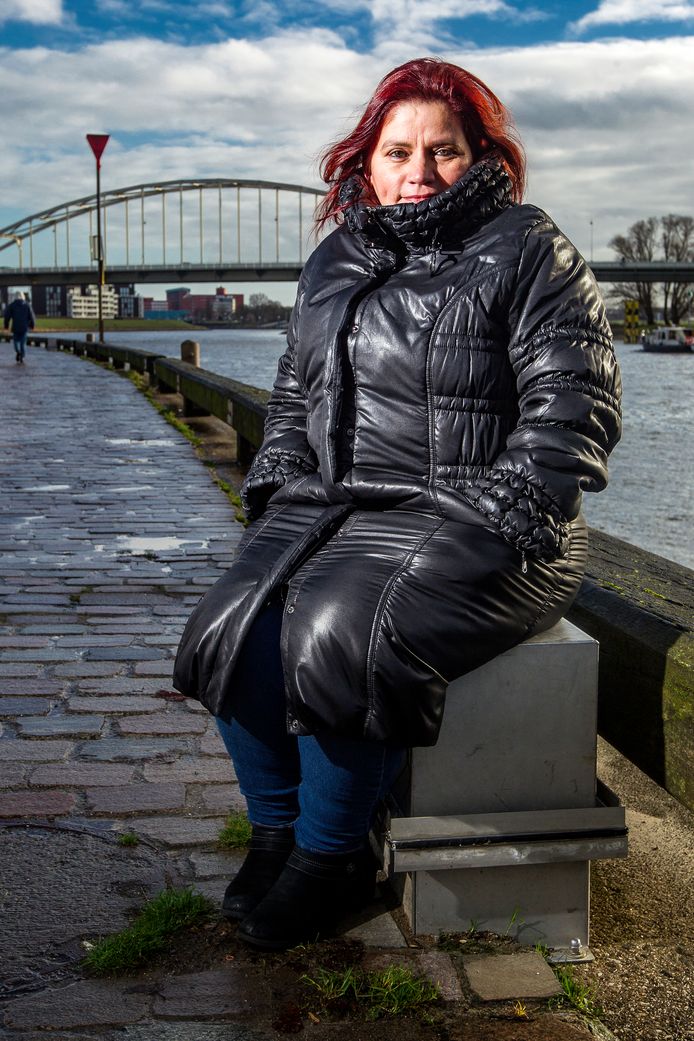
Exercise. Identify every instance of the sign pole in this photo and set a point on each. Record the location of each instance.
(97, 143)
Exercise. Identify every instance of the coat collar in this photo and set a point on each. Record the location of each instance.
(479, 195)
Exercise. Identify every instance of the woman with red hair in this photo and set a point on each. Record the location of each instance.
(448, 392)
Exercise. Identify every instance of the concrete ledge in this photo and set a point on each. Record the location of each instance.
(241, 406)
(639, 607)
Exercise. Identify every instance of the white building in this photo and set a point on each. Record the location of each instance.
(83, 302)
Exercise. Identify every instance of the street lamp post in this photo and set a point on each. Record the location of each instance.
(97, 143)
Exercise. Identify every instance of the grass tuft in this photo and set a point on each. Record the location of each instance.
(236, 833)
(128, 838)
(576, 993)
(385, 992)
(167, 913)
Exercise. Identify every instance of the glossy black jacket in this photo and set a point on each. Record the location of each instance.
(448, 393)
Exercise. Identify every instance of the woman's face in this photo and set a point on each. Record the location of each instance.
(420, 151)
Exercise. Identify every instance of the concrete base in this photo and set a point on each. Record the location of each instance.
(519, 735)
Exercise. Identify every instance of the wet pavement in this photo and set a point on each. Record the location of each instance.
(110, 531)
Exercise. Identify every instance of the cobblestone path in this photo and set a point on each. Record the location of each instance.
(110, 530)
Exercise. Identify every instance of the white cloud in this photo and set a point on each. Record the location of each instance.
(604, 123)
(40, 12)
(623, 12)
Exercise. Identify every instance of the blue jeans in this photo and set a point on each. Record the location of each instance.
(328, 787)
(20, 343)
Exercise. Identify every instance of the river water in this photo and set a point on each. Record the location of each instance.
(650, 498)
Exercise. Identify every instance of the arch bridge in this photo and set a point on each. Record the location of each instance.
(199, 230)
(202, 230)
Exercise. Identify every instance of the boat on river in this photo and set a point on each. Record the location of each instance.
(670, 338)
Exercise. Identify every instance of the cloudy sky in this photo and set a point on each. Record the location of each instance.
(602, 92)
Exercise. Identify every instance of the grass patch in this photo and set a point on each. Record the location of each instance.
(167, 913)
(236, 833)
(384, 992)
(232, 496)
(576, 994)
(128, 838)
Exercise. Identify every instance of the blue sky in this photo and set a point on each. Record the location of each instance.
(75, 23)
(602, 92)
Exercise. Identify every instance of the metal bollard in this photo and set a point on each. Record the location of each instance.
(190, 352)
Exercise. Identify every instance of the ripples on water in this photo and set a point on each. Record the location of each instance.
(650, 498)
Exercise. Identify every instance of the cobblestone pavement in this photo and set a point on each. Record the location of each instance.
(110, 531)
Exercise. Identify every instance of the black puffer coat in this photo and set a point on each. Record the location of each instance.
(448, 392)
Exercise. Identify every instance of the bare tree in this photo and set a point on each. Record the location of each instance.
(678, 245)
(639, 243)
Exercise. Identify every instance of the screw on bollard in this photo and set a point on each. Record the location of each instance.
(190, 352)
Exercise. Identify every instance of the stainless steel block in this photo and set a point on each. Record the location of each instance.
(519, 736)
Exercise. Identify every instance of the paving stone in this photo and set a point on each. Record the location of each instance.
(11, 706)
(217, 865)
(132, 653)
(24, 641)
(136, 798)
(179, 831)
(30, 687)
(190, 771)
(162, 723)
(180, 1031)
(87, 1003)
(66, 726)
(98, 639)
(86, 668)
(211, 743)
(81, 775)
(42, 654)
(224, 798)
(501, 977)
(155, 668)
(36, 804)
(24, 750)
(118, 685)
(110, 749)
(122, 703)
(20, 669)
(214, 994)
(12, 774)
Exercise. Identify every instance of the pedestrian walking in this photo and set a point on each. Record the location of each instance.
(448, 393)
(19, 314)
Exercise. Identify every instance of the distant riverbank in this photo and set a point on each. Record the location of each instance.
(143, 325)
(112, 325)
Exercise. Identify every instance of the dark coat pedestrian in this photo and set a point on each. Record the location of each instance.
(19, 314)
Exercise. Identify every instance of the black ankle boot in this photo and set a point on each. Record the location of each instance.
(310, 896)
(266, 857)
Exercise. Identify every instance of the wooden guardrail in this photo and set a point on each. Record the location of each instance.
(640, 607)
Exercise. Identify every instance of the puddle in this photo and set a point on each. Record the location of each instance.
(49, 488)
(139, 544)
(131, 488)
(141, 442)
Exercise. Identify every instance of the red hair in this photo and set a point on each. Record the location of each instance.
(486, 123)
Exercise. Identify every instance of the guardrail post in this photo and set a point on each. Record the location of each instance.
(190, 352)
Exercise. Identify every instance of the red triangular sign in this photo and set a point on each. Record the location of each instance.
(97, 143)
